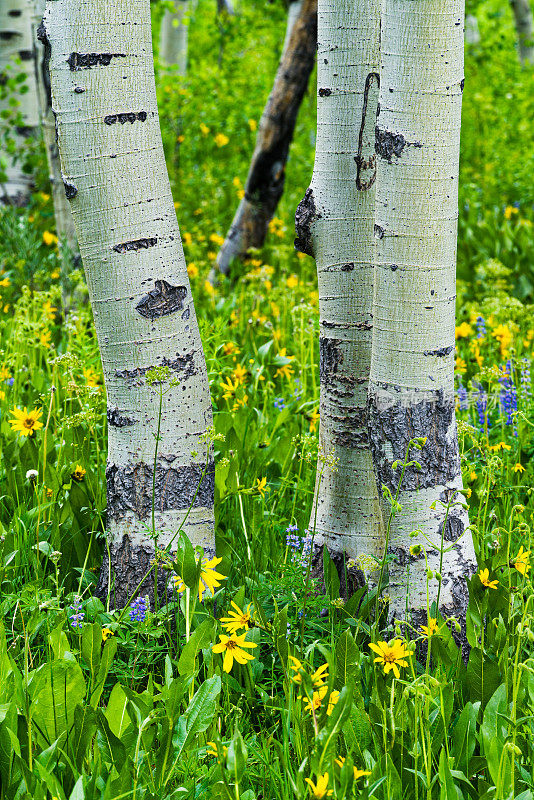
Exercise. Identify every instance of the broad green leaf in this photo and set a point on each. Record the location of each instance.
(116, 711)
(200, 638)
(199, 714)
(106, 660)
(56, 689)
(91, 647)
(347, 658)
(464, 736)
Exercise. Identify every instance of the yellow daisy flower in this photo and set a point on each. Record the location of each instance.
(209, 578)
(391, 656)
(26, 422)
(431, 628)
(320, 789)
(358, 773)
(522, 561)
(237, 619)
(485, 581)
(79, 473)
(232, 646)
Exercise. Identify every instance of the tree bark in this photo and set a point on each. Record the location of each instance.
(225, 6)
(524, 26)
(104, 101)
(62, 213)
(335, 224)
(174, 36)
(412, 378)
(16, 42)
(265, 181)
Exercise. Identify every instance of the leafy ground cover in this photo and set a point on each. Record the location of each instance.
(253, 680)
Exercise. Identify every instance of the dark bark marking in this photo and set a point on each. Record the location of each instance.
(183, 365)
(129, 488)
(129, 116)
(45, 72)
(388, 144)
(330, 358)
(79, 89)
(164, 299)
(305, 215)
(135, 244)
(347, 267)
(325, 92)
(443, 351)
(70, 190)
(379, 232)
(394, 267)
(392, 427)
(118, 419)
(14, 13)
(77, 61)
(26, 55)
(366, 167)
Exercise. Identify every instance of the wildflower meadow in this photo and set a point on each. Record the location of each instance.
(251, 672)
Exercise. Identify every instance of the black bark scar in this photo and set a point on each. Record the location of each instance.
(164, 299)
(135, 244)
(77, 61)
(388, 144)
(364, 164)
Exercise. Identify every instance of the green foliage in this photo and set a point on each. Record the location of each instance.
(99, 703)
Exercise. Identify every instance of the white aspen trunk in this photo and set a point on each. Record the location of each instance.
(335, 224)
(412, 379)
(225, 5)
(292, 14)
(16, 42)
(524, 26)
(173, 37)
(62, 213)
(266, 176)
(471, 33)
(104, 100)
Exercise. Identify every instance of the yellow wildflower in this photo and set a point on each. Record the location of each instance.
(49, 238)
(463, 330)
(261, 486)
(5, 282)
(209, 578)
(192, 270)
(292, 281)
(237, 182)
(230, 348)
(229, 388)
(208, 288)
(54, 275)
(522, 561)
(320, 789)
(314, 419)
(106, 633)
(358, 773)
(253, 125)
(240, 373)
(221, 139)
(500, 446)
(49, 310)
(519, 468)
(44, 338)
(485, 581)
(317, 699)
(187, 238)
(503, 334)
(509, 210)
(26, 422)
(232, 646)
(285, 371)
(431, 628)
(460, 365)
(241, 193)
(237, 619)
(472, 476)
(4, 373)
(79, 473)
(391, 656)
(216, 239)
(212, 751)
(204, 129)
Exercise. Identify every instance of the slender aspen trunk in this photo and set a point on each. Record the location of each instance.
(293, 10)
(412, 378)
(335, 224)
(173, 37)
(16, 43)
(104, 100)
(524, 25)
(265, 181)
(62, 213)
(225, 5)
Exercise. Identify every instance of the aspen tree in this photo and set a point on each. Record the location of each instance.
(335, 224)
(17, 57)
(524, 25)
(114, 174)
(412, 367)
(265, 181)
(174, 37)
(62, 213)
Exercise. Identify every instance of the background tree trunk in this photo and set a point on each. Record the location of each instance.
(412, 369)
(62, 213)
(104, 99)
(16, 42)
(173, 37)
(335, 224)
(265, 181)
(524, 26)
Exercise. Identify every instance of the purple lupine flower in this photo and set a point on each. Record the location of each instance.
(138, 609)
(508, 395)
(481, 327)
(525, 382)
(482, 407)
(297, 394)
(292, 537)
(279, 403)
(462, 397)
(76, 619)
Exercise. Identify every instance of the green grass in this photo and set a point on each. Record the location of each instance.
(132, 716)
